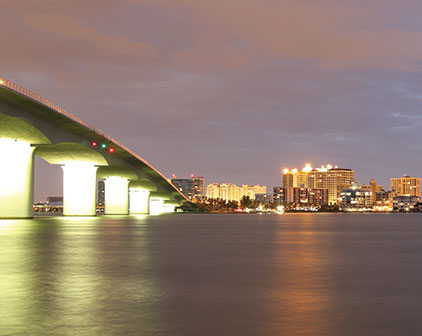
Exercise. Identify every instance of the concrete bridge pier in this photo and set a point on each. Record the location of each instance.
(16, 179)
(116, 196)
(139, 201)
(79, 187)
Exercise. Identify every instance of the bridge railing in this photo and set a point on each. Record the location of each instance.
(46, 102)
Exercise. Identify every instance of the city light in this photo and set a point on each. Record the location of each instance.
(307, 168)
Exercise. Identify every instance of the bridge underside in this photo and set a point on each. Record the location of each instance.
(29, 128)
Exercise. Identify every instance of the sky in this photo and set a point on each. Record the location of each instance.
(232, 90)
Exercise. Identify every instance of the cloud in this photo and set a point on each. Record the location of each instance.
(230, 89)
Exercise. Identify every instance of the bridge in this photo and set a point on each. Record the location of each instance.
(31, 126)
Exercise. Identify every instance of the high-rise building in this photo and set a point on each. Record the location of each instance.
(278, 195)
(192, 188)
(251, 190)
(406, 186)
(213, 191)
(332, 178)
(327, 177)
(232, 192)
(300, 196)
(295, 178)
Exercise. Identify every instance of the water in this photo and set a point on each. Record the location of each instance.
(295, 274)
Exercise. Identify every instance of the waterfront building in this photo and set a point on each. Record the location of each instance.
(252, 190)
(356, 198)
(405, 203)
(295, 178)
(225, 191)
(374, 188)
(229, 192)
(316, 197)
(232, 192)
(332, 178)
(278, 195)
(213, 191)
(264, 197)
(192, 188)
(55, 200)
(406, 186)
(384, 200)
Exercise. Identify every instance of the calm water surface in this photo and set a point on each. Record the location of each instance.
(295, 274)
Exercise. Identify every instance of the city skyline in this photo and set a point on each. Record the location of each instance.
(238, 90)
(42, 193)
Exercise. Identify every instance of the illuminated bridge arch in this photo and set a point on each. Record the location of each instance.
(31, 125)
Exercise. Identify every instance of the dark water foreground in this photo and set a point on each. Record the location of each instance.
(294, 274)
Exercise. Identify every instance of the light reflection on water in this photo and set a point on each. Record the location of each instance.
(295, 274)
(301, 287)
(76, 276)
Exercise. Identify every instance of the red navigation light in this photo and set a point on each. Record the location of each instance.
(94, 144)
(111, 150)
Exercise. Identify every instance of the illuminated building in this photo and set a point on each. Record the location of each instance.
(251, 190)
(327, 177)
(332, 178)
(192, 188)
(296, 178)
(213, 191)
(405, 203)
(384, 199)
(55, 200)
(374, 188)
(264, 197)
(100, 192)
(356, 197)
(231, 192)
(278, 195)
(406, 186)
(300, 196)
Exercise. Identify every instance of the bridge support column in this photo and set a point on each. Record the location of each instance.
(156, 206)
(16, 179)
(116, 196)
(79, 186)
(139, 201)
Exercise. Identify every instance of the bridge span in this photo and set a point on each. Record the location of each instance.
(31, 125)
